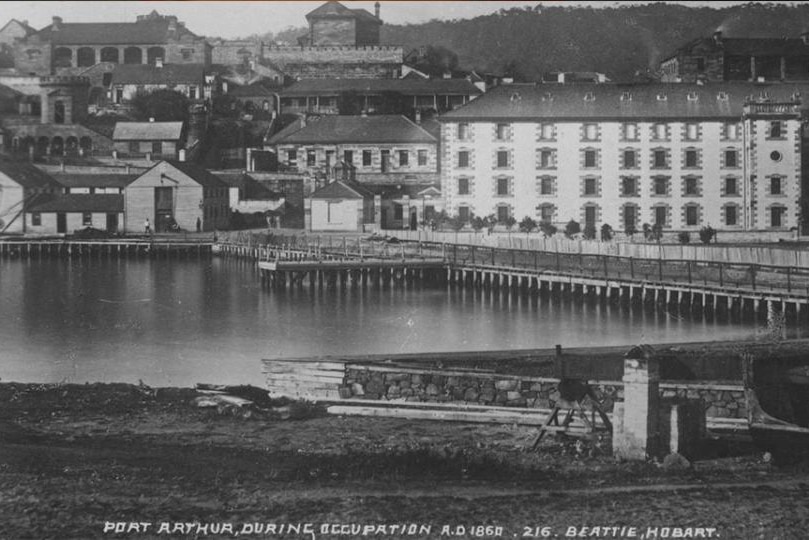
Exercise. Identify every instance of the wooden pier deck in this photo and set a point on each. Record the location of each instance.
(346, 272)
(112, 248)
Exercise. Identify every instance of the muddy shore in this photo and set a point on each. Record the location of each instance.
(75, 459)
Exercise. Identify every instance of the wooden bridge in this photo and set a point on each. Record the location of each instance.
(695, 287)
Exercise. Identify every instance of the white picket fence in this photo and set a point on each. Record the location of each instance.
(766, 255)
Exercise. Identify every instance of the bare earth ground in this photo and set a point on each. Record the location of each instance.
(75, 457)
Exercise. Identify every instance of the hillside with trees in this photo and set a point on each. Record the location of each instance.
(618, 41)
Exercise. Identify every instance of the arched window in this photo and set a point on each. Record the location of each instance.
(86, 57)
(57, 146)
(86, 144)
(153, 53)
(133, 55)
(28, 142)
(43, 143)
(71, 146)
(62, 57)
(110, 54)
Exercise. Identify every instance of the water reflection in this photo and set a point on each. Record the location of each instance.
(181, 322)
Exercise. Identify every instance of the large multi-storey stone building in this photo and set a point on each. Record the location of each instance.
(682, 156)
(63, 47)
(718, 58)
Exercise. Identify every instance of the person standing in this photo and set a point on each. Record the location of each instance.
(147, 227)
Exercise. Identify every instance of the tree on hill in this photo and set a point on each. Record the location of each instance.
(618, 41)
(437, 60)
(162, 105)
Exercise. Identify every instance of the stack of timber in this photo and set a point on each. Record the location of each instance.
(304, 378)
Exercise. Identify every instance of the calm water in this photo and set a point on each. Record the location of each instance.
(177, 323)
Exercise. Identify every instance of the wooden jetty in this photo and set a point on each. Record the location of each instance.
(348, 272)
(124, 248)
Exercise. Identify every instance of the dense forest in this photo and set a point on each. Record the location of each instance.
(619, 40)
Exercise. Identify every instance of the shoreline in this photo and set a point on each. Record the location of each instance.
(74, 457)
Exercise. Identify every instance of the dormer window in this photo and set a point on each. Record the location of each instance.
(626, 96)
(547, 96)
(662, 97)
(692, 96)
(589, 96)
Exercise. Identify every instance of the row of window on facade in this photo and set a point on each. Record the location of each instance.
(86, 219)
(590, 158)
(56, 146)
(192, 92)
(367, 158)
(90, 56)
(691, 215)
(691, 131)
(629, 186)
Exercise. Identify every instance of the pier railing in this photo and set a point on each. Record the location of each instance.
(726, 275)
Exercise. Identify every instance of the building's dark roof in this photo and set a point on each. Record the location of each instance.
(399, 191)
(336, 10)
(411, 87)
(147, 74)
(145, 32)
(531, 102)
(287, 130)
(26, 174)
(342, 190)
(252, 189)
(147, 131)
(82, 202)
(256, 89)
(337, 129)
(8, 93)
(199, 174)
(94, 180)
(747, 46)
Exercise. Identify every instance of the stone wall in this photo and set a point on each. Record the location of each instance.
(235, 52)
(336, 61)
(381, 383)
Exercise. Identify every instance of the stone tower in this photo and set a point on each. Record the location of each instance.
(64, 99)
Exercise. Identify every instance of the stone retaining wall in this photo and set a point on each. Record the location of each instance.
(412, 385)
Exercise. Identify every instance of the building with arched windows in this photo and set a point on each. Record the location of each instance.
(681, 156)
(61, 128)
(64, 47)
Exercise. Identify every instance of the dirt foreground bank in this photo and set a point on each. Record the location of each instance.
(123, 461)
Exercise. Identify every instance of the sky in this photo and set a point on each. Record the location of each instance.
(234, 18)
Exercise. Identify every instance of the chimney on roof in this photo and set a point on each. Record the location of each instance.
(376, 10)
(717, 37)
(57, 24)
